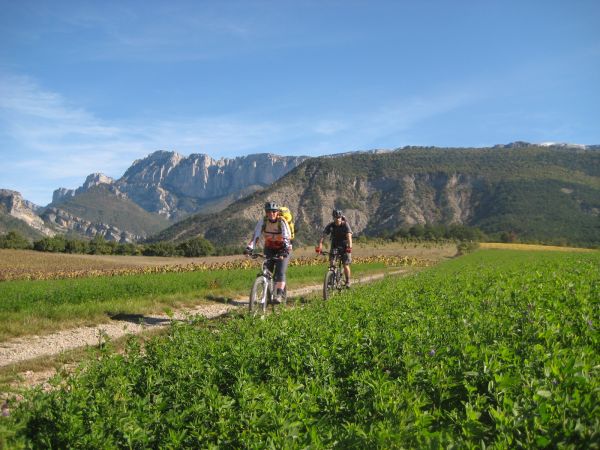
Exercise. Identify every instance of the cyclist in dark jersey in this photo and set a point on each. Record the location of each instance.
(341, 241)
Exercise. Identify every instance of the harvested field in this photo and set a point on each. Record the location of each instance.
(32, 265)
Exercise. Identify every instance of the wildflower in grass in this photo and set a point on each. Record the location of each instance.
(432, 352)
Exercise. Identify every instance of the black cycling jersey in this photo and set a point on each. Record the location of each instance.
(339, 233)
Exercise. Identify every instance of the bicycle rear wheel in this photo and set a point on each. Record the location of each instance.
(328, 284)
(258, 296)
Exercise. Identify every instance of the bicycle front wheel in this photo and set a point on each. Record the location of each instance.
(328, 284)
(258, 296)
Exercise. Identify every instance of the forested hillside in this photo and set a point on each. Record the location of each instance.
(534, 193)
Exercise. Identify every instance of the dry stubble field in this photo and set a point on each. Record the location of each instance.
(26, 264)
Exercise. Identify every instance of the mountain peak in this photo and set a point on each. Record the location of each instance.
(95, 179)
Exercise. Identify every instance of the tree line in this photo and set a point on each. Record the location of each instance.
(199, 246)
(194, 247)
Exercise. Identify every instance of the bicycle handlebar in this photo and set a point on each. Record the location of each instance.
(325, 252)
(262, 255)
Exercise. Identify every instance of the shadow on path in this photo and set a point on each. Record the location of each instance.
(140, 319)
(227, 300)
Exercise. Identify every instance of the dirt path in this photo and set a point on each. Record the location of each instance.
(23, 349)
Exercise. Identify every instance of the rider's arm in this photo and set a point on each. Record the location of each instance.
(257, 233)
(322, 239)
(286, 234)
(349, 236)
(326, 231)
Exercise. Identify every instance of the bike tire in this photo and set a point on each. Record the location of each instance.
(338, 280)
(258, 296)
(328, 285)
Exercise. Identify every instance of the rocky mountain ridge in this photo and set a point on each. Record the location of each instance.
(537, 192)
(546, 190)
(175, 186)
(165, 184)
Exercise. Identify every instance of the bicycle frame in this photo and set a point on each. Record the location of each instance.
(333, 277)
(263, 289)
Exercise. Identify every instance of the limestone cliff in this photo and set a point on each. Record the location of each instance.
(24, 210)
(174, 186)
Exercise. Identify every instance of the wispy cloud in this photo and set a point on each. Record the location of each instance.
(61, 142)
(44, 138)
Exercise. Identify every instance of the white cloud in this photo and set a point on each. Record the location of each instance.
(61, 142)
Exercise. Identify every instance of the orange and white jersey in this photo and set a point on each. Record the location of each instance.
(275, 235)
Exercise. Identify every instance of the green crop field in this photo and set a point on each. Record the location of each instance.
(42, 306)
(497, 349)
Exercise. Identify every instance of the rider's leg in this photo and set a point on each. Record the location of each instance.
(280, 278)
(346, 261)
(347, 274)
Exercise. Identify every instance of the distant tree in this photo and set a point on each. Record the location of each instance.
(128, 249)
(14, 239)
(161, 249)
(197, 246)
(401, 233)
(100, 246)
(464, 233)
(508, 236)
(54, 244)
(432, 232)
(228, 250)
(76, 246)
(417, 231)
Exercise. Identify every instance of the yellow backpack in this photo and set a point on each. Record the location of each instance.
(286, 214)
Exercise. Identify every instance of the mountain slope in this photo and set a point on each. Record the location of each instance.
(10, 223)
(100, 204)
(18, 214)
(541, 193)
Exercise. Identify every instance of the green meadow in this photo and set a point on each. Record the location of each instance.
(496, 349)
(42, 306)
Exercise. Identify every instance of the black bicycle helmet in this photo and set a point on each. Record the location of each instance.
(337, 213)
(271, 206)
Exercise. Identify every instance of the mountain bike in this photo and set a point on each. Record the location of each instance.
(333, 277)
(263, 290)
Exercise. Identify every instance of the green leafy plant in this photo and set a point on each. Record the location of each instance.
(496, 349)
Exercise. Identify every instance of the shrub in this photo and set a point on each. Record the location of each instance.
(14, 239)
(197, 246)
(161, 249)
(54, 244)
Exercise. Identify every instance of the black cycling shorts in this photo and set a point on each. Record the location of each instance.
(346, 257)
(280, 265)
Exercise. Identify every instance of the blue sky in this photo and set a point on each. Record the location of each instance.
(91, 86)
